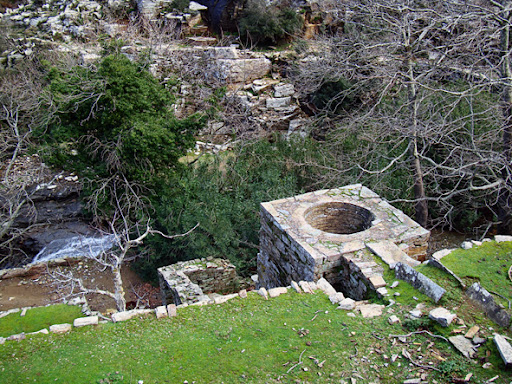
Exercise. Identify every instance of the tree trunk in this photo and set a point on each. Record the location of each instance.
(118, 289)
(421, 206)
(505, 198)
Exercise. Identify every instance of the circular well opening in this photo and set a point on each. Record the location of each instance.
(339, 218)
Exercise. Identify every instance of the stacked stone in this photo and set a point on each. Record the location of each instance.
(189, 281)
(292, 249)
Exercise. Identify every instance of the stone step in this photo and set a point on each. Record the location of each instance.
(391, 254)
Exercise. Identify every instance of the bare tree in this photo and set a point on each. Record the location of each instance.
(127, 238)
(424, 80)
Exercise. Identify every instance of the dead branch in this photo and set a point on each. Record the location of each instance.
(299, 363)
(420, 332)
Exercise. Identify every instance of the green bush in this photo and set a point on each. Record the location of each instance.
(114, 119)
(268, 25)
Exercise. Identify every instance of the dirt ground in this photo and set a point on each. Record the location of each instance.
(40, 289)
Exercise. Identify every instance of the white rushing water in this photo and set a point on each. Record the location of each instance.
(75, 246)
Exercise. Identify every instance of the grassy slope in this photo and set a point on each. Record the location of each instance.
(38, 318)
(258, 341)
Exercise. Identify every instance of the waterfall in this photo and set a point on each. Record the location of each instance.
(75, 246)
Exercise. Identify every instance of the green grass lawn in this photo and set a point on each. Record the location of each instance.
(242, 341)
(294, 338)
(38, 318)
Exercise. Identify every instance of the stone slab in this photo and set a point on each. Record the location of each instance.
(296, 287)
(243, 294)
(377, 281)
(274, 292)
(305, 286)
(463, 345)
(391, 254)
(504, 348)
(60, 328)
(85, 321)
(443, 316)
(502, 238)
(484, 300)
(337, 298)
(419, 281)
(370, 310)
(127, 315)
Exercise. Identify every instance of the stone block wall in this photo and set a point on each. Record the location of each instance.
(292, 247)
(191, 281)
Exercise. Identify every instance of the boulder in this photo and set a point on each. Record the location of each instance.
(442, 316)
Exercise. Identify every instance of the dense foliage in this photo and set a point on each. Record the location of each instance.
(261, 24)
(222, 194)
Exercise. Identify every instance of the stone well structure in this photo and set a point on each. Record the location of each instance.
(191, 281)
(336, 234)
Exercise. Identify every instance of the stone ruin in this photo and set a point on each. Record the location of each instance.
(336, 234)
(189, 282)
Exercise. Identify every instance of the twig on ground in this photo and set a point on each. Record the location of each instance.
(407, 355)
(316, 314)
(355, 354)
(377, 337)
(419, 332)
(299, 363)
(503, 297)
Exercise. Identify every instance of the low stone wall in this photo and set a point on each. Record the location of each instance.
(191, 281)
(301, 238)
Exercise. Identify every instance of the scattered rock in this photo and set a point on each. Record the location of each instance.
(274, 292)
(161, 312)
(504, 348)
(419, 281)
(325, 286)
(478, 340)
(416, 313)
(463, 345)
(223, 298)
(466, 245)
(44, 331)
(306, 287)
(18, 337)
(347, 304)
(395, 284)
(393, 319)
(502, 238)
(337, 298)
(382, 291)
(263, 292)
(171, 310)
(472, 331)
(487, 366)
(2, 340)
(442, 316)
(243, 294)
(370, 310)
(60, 328)
(23, 312)
(84, 321)
(296, 287)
